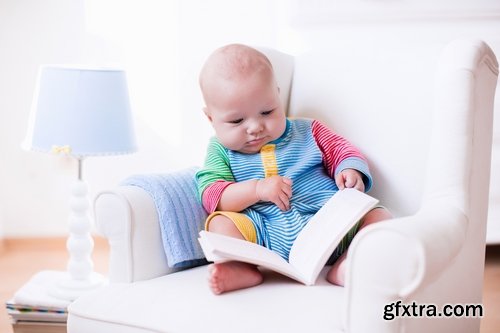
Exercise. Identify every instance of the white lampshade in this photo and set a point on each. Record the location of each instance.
(84, 112)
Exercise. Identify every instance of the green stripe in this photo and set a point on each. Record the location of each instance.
(217, 167)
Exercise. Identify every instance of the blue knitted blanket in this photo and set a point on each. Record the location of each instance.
(180, 214)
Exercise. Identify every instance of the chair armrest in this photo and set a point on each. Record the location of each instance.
(127, 217)
(420, 258)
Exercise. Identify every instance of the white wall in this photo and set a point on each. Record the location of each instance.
(396, 31)
(32, 186)
(162, 44)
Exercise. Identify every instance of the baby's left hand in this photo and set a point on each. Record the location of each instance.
(350, 178)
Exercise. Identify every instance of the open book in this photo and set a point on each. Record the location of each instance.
(313, 246)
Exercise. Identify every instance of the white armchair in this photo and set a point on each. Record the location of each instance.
(430, 167)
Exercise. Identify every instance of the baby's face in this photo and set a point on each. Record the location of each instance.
(247, 114)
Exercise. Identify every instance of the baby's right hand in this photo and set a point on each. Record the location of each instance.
(275, 189)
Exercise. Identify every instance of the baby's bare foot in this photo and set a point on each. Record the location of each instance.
(336, 274)
(232, 275)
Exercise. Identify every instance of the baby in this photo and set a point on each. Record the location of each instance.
(265, 175)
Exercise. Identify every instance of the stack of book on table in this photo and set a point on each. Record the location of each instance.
(27, 318)
(34, 309)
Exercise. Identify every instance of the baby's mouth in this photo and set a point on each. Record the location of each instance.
(255, 141)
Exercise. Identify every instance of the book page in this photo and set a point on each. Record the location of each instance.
(316, 242)
(220, 248)
(208, 249)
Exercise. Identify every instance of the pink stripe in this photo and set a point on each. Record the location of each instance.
(335, 148)
(212, 194)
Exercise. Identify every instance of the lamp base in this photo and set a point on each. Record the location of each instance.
(50, 289)
(70, 289)
(80, 277)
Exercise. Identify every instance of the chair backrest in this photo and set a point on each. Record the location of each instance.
(384, 104)
(424, 120)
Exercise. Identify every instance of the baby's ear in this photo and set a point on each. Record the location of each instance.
(207, 113)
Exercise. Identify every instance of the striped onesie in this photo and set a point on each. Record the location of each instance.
(308, 153)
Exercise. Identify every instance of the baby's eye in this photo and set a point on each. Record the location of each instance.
(266, 113)
(236, 121)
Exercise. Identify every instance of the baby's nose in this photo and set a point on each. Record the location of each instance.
(254, 127)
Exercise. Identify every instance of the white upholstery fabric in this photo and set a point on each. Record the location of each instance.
(181, 302)
(431, 168)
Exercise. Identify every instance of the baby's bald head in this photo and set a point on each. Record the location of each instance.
(232, 63)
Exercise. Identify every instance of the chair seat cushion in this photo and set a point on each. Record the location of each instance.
(182, 302)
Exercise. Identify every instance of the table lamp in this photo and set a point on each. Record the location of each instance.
(80, 112)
